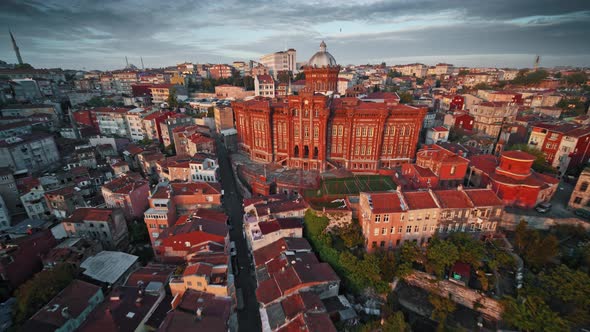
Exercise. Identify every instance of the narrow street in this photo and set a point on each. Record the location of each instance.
(249, 316)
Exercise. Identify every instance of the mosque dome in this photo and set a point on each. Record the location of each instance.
(322, 58)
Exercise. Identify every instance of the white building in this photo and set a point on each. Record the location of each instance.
(280, 61)
(437, 135)
(112, 121)
(135, 125)
(33, 152)
(264, 85)
(34, 202)
(4, 215)
(203, 170)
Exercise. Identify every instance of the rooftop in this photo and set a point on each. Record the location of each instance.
(72, 301)
(108, 266)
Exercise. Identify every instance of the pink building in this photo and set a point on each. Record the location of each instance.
(129, 192)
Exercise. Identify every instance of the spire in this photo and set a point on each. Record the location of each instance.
(15, 47)
(323, 47)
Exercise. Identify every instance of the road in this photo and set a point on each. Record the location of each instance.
(249, 317)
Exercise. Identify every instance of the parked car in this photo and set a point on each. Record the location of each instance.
(582, 214)
(543, 207)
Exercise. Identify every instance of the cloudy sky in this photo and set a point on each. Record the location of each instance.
(98, 34)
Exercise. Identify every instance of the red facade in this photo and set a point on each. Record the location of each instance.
(464, 121)
(436, 167)
(86, 118)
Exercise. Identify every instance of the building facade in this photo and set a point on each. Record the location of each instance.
(129, 193)
(580, 198)
(313, 131)
(106, 226)
(33, 152)
(280, 61)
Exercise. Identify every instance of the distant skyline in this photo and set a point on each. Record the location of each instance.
(88, 34)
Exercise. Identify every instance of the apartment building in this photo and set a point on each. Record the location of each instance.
(112, 121)
(106, 226)
(389, 219)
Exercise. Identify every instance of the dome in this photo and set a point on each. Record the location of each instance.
(322, 58)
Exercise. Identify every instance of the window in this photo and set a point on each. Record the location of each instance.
(377, 218)
(400, 229)
(358, 131)
(316, 132)
(383, 231)
(334, 131)
(392, 230)
(306, 131)
(386, 218)
(376, 232)
(425, 228)
(409, 229)
(416, 229)
(340, 130)
(364, 131)
(453, 168)
(578, 200)
(371, 131)
(382, 244)
(584, 186)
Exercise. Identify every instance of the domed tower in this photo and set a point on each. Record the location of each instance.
(321, 71)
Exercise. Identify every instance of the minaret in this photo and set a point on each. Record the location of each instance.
(15, 47)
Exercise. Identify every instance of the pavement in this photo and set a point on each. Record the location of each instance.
(249, 316)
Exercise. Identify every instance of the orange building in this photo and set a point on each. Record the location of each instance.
(315, 131)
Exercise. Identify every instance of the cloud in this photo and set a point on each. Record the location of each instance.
(99, 34)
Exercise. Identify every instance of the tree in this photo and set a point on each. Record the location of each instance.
(23, 66)
(300, 76)
(568, 291)
(520, 236)
(577, 78)
(392, 73)
(441, 255)
(463, 72)
(351, 234)
(249, 83)
(38, 291)
(532, 314)
(394, 322)
(442, 308)
(405, 97)
(172, 101)
(386, 264)
(482, 86)
(138, 233)
(524, 77)
(540, 164)
(284, 76)
(471, 251)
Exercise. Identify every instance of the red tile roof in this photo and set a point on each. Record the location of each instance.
(74, 298)
(273, 250)
(483, 197)
(520, 155)
(453, 199)
(89, 214)
(385, 202)
(417, 200)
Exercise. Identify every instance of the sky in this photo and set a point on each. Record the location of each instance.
(98, 34)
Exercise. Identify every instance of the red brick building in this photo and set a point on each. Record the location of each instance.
(314, 130)
(512, 178)
(565, 145)
(86, 118)
(435, 167)
(388, 219)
